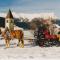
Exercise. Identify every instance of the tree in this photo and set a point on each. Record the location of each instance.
(35, 23)
(26, 19)
(21, 19)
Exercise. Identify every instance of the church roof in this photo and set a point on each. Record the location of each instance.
(9, 14)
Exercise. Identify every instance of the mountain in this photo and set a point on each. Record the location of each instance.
(2, 22)
(58, 22)
(30, 16)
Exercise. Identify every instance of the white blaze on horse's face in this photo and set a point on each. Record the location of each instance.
(8, 33)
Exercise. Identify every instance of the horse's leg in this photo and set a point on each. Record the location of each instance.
(22, 43)
(18, 42)
(7, 43)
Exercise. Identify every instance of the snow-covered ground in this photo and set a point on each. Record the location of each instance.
(29, 52)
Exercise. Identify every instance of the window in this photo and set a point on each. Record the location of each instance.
(7, 21)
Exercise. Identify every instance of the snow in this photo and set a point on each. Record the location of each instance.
(30, 16)
(17, 28)
(28, 34)
(29, 52)
(57, 25)
(36, 15)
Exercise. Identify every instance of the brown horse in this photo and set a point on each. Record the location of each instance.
(18, 34)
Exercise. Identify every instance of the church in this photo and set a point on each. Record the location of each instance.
(8, 21)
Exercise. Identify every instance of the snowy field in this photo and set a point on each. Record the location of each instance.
(29, 52)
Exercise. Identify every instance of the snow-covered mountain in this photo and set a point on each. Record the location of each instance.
(31, 15)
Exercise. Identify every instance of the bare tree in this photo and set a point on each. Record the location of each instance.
(26, 19)
(35, 23)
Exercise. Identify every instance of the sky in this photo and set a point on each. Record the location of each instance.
(31, 6)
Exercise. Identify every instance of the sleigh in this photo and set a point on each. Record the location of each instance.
(44, 38)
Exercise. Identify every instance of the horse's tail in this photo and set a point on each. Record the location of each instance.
(0, 31)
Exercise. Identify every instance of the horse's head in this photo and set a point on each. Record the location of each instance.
(3, 33)
(5, 36)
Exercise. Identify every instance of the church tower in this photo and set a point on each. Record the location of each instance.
(9, 21)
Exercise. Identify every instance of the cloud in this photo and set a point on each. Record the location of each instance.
(30, 6)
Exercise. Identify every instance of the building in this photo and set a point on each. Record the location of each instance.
(9, 21)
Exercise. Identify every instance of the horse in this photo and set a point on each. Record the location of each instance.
(18, 34)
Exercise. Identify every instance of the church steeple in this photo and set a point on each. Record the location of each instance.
(9, 21)
(9, 14)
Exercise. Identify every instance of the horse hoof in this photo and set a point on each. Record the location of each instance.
(21, 46)
(17, 45)
(7, 47)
